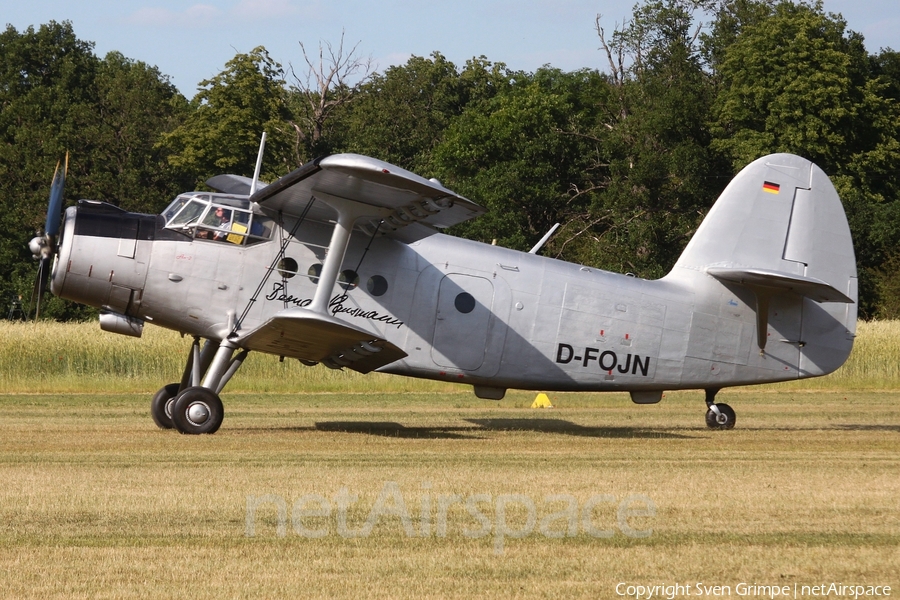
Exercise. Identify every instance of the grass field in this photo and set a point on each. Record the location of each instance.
(96, 502)
(51, 357)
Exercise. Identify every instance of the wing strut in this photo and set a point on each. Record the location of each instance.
(271, 269)
(309, 333)
(348, 213)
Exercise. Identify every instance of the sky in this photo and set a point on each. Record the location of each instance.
(191, 41)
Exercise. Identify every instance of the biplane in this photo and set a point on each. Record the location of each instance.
(342, 263)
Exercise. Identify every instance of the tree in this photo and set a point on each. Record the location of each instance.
(46, 106)
(324, 89)
(135, 106)
(515, 153)
(656, 176)
(886, 66)
(222, 130)
(400, 115)
(56, 96)
(797, 81)
(790, 83)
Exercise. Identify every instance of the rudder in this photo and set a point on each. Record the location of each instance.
(779, 228)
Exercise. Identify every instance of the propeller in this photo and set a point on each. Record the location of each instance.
(43, 246)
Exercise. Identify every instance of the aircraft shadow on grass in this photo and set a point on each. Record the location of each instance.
(856, 427)
(558, 426)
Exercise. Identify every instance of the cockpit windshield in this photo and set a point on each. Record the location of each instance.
(218, 217)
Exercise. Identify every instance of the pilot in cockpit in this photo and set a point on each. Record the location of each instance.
(221, 221)
(216, 224)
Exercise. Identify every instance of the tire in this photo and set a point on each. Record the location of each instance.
(161, 406)
(724, 420)
(197, 410)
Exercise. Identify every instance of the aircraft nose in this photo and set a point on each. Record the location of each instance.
(63, 249)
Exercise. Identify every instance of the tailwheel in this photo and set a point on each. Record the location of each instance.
(720, 416)
(161, 406)
(197, 410)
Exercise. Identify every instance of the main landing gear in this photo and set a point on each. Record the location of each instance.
(193, 406)
(718, 416)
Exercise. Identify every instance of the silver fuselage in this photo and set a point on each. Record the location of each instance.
(462, 311)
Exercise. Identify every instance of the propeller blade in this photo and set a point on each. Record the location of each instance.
(54, 207)
(40, 287)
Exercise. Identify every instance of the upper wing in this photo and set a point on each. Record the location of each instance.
(417, 205)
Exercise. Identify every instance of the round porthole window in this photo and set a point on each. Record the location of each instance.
(314, 272)
(465, 302)
(377, 285)
(287, 267)
(348, 279)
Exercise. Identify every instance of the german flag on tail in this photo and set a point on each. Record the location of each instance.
(772, 188)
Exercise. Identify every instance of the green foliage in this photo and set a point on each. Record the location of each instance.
(57, 97)
(401, 115)
(796, 81)
(658, 174)
(515, 153)
(790, 83)
(629, 161)
(134, 104)
(887, 282)
(886, 66)
(222, 130)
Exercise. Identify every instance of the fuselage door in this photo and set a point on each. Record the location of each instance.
(462, 322)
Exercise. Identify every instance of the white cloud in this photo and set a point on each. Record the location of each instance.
(208, 15)
(198, 15)
(264, 9)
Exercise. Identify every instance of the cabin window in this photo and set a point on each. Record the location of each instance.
(314, 272)
(348, 279)
(377, 285)
(186, 214)
(287, 267)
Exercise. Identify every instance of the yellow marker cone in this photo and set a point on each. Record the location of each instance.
(541, 401)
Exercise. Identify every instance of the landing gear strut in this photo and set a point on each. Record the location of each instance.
(193, 406)
(718, 416)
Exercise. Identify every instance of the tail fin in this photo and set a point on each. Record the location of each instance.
(779, 228)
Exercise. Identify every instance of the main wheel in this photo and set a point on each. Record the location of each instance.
(197, 410)
(161, 406)
(724, 420)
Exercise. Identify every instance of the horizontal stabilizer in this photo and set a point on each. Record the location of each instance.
(812, 288)
(313, 337)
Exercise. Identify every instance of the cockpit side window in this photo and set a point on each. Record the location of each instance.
(218, 217)
(217, 225)
(260, 228)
